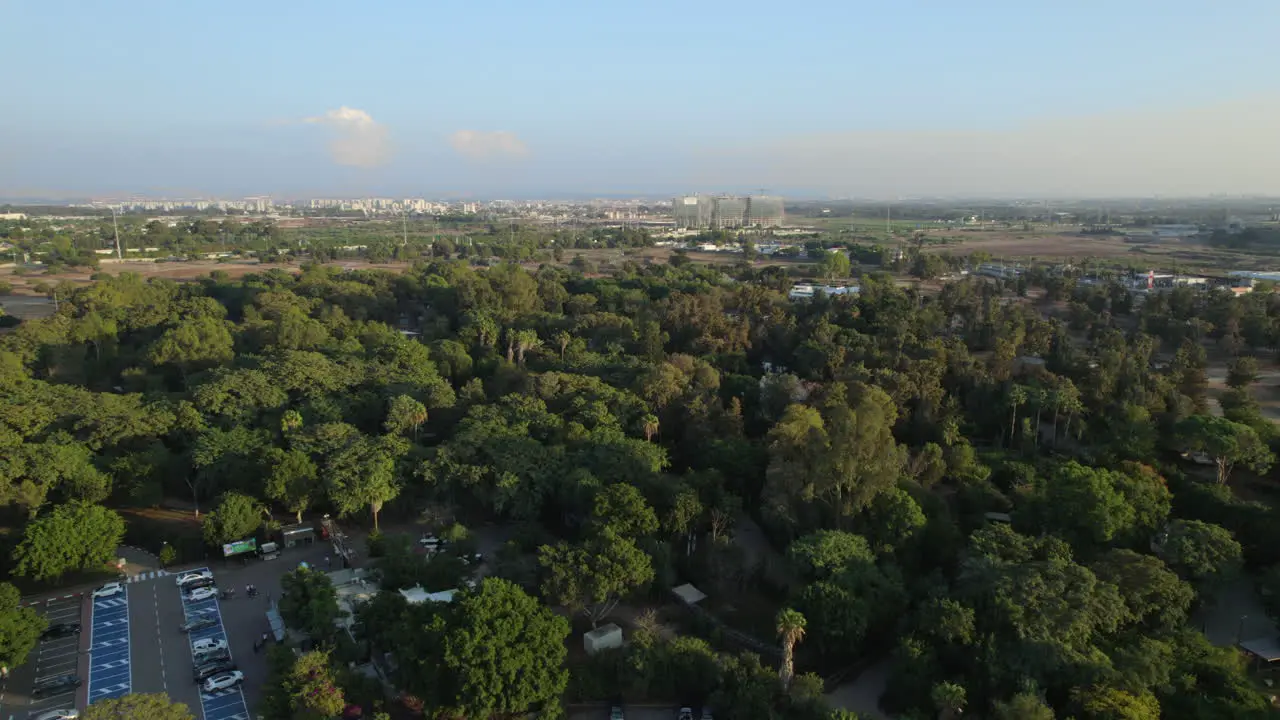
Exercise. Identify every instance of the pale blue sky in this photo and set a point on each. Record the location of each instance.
(866, 98)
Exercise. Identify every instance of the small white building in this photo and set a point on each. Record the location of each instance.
(808, 291)
(602, 638)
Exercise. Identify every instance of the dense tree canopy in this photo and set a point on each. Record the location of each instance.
(851, 458)
(153, 706)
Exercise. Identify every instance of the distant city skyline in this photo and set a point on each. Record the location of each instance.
(822, 99)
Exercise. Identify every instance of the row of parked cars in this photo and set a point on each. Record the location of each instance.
(58, 684)
(684, 713)
(212, 667)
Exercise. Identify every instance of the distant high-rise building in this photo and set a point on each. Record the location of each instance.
(699, 212)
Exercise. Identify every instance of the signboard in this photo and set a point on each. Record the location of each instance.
(240, 546)
(691, 201)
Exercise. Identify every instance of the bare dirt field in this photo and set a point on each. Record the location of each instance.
(1009, 244)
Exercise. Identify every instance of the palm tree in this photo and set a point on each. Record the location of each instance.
(1017, 397)
(525, 340)
(791, 629)
(649, 424)
(290, 422)
(950, 700)
(563, 339)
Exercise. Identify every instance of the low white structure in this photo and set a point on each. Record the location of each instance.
(416, 595)
(808, 291)
(602, 638)
(689, 594)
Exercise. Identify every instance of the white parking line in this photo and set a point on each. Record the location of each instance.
(55, 656)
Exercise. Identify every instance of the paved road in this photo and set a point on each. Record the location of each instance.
(862, 695)
(161, 656)
(50, 658)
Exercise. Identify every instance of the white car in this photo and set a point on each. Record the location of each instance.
(203, 593)
(208, 645)
(108, 590)
(190, 577)
(223, 681)
(58, 715)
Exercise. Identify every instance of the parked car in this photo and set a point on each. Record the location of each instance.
(203, 593)
(209, 656)
(193, 576)
(223, 681)
(616, 713)
(108, 590)
(706, 714)
(686, 713)
(58, 715)
(200, 673)
(206, 645)
(60, 630)
(431, 544)
(200, 622)
(197, 584)
(57, 685)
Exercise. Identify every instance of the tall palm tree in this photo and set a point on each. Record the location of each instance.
(791, 630)
(525, 340)
(649, 424)
(1017, 398)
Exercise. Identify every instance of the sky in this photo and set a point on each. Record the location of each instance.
(490, 98)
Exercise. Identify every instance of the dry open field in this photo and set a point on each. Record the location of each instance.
(1047, 245)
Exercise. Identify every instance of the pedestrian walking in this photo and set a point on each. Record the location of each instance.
(328, 562)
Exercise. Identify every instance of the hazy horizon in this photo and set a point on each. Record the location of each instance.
(503, 99)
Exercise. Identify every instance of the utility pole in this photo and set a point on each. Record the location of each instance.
(115, 229)
(404, 226)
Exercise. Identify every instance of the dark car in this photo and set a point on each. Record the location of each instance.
(204, 658)
(48, 687)
(60, 630)
(203, 672)
(198, 623)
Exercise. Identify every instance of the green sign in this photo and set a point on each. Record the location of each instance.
(240, 546)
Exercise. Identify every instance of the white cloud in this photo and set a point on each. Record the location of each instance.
(358, 139)
(1228, 148)
(478, 144)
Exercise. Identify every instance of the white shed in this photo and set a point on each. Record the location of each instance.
(602, 638)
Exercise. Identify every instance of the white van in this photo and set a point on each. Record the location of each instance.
(269, 551)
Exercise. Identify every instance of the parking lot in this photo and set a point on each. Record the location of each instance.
(226, 704)
(132, 642)
(52, 657)
(109, 673)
